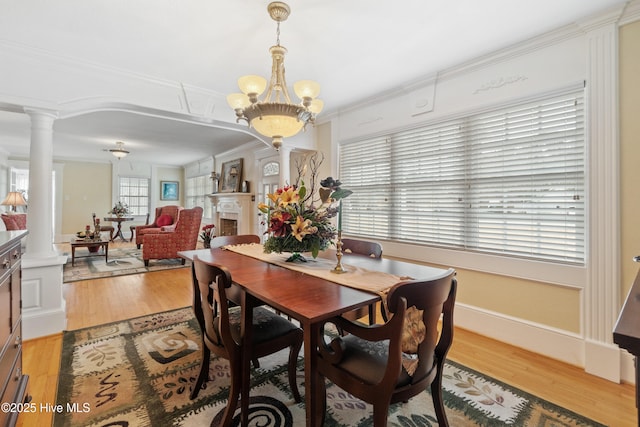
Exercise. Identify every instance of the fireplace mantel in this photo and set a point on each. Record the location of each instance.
(233, 207)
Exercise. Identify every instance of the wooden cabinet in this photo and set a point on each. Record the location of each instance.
(13, 382)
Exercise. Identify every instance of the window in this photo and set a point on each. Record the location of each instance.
(507, 182)
(20, 182)
(135, 193)
(196, 194)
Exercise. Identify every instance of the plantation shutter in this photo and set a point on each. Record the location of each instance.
(509, 181)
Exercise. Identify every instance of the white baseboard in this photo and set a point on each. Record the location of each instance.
(600, 359)
(42, 323)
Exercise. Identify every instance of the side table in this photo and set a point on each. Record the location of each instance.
(119, 220)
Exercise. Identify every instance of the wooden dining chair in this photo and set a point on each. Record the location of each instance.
(370, 249)
(375, 364)
(237, 239)
(104, 228)
(234, 293)
(221, 332)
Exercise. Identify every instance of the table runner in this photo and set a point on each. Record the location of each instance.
(356, 277)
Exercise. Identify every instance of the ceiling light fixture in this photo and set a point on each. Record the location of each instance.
(275, 116)
(119, 151)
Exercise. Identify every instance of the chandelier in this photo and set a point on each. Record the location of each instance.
(119, 151)
(275, 116)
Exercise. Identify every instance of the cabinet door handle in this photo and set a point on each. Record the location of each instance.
(6, 263)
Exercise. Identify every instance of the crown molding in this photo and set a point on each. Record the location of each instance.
(631, 13)
(74, 62)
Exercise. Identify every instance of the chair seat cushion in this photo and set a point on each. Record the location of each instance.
(367, 360)
(151, 230)
(266, 324)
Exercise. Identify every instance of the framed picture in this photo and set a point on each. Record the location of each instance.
(169, 190)
(231, 176)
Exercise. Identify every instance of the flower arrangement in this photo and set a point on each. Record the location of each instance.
(208, 233)
(300, 221)
(120, 209)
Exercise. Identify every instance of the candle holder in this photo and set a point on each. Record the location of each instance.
(339, 269)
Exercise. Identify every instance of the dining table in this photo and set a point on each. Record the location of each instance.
(309, 294)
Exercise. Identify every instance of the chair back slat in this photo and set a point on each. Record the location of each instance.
(362, 247)
(237, 239)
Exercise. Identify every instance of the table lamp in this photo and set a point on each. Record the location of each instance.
(13, 199)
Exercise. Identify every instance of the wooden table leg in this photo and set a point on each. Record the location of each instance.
(311, 377)
(246, 332)
(73, 255)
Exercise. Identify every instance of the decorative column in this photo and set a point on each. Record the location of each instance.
(42, 301)
(40, 238)
(602, 293)
(285, 166)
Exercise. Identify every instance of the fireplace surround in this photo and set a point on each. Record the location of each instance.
(234, 213)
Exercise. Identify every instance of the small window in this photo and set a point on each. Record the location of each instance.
(134, 192)
(271, 169)
(197, 189)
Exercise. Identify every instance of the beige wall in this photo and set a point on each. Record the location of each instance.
(86, 189)
(629, 151)
(552, 305)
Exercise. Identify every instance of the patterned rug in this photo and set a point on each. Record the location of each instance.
(140, 372)
(122, 261)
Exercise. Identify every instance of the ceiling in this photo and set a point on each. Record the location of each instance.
(353, 48)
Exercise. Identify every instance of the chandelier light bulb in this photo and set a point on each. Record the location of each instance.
(253, 86)
(238, 101)
(316, 106)
(306, 89)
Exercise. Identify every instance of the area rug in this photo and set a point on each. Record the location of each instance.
(140, 372)
(122, 261)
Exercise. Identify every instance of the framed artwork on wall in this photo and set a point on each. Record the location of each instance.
(231, 176)
(169, 190)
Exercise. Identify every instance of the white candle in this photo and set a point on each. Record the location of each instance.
(340, 215)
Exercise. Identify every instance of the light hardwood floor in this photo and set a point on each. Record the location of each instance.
(94, 302)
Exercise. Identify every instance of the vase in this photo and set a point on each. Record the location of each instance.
(296, 257)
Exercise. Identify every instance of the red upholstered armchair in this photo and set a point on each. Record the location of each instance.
(167, 244)
(166, 216)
